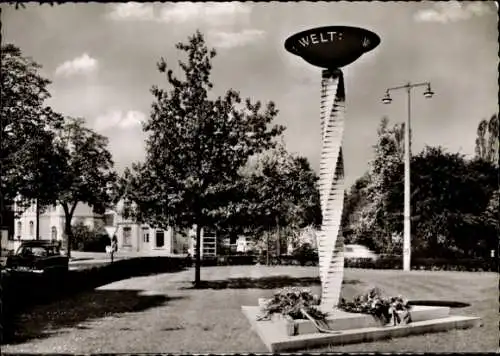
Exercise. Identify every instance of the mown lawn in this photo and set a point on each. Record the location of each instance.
(162, 313)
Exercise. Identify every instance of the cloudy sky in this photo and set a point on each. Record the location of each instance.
(102, 59)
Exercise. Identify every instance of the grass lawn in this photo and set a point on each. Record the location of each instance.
(162, 313)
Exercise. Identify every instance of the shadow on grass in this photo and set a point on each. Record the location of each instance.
(439, 303)
(20, 292)
(44, 320)
(263, 283)
(24, 290)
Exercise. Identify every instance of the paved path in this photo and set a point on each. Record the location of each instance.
(81, 259)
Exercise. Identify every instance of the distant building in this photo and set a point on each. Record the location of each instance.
(51, 223)
(142, 238)
(133, 236)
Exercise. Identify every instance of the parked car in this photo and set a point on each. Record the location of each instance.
(38, 256)
(356, 252)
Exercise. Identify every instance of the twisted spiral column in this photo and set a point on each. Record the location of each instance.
(331, 184)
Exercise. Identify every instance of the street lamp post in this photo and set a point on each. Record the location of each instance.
(407, 209)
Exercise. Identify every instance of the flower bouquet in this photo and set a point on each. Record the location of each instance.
(292, 303)
(395, 309)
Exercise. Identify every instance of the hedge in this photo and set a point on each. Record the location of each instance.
(383, 262)
(429, 264)
(233, 260)
(464, 264)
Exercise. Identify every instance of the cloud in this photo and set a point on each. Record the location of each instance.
(119, 119)
(212, 13)
(235, 39)
(132, 11)
(80, 65)
(453, 11)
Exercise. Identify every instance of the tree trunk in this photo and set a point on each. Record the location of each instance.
(68, 233)
(68, 216)
(278, 238)
(197, 263)
(267, 249)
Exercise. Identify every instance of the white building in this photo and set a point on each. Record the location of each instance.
(131, 236)
(142, 238)
(51, 223)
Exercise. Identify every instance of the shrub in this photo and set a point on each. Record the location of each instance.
(305, 253)
(96, 243)
(209, 261)
(88, 239)
(432, 264)
(234, 260)
(462, 264)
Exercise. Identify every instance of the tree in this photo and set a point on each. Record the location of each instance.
(20, 4)
(286, 196)
(452, 199)
(195, 148)
(354, 200)
(29, 162)
(450, 196)
(87, 238)
(487, 142)
(375, 226)
(87, 175)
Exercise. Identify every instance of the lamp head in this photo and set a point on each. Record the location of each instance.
(387, 98)
(428, 92)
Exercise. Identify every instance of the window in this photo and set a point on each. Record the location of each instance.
(53, 233)
(145, 234)
(32, 229)
(127, 236)
(160, 238)
(19, 230)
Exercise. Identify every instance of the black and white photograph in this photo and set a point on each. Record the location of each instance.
(249, 177)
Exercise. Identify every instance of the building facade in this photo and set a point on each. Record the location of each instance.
(51, 223)
(131, 235)
(141, 238)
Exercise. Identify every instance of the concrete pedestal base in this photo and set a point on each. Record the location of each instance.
(352, 328)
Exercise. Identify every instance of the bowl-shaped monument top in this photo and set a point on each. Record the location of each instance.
(332, 46)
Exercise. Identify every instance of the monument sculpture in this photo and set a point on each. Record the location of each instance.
(331, 48)
(284, 322)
